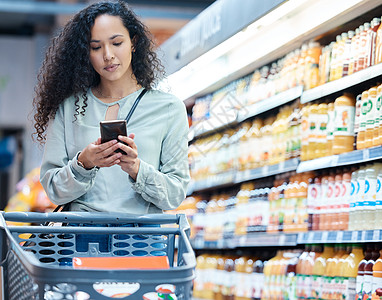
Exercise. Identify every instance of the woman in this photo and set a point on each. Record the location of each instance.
(93, 71)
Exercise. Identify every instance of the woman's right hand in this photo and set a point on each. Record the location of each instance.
(100, 155)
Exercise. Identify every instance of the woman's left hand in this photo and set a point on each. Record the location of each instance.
(129, 162)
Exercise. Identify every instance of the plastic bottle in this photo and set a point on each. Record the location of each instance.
(370, 117)
(369, 204)
(344, 108)
(341, 55)
(363, 54)
(353, 200)
(199, 276)
(350, 271)
(334, 59)
(313, 121)
(300, 273)
(311, 78)
(257, 280)
(378, 46)
(314, 253)
(219, 280)
(377, 274)
(371, 41)
(337, 218)
(241, 282)
(363, 119)
(330, 129)
(318, 271)
(314, 188)
(317, 203)
(368, 274)
(378, 201)
(228, 286)
(377, 140)
(347, 53)
(354, 52)
(331, 271)
(329, 215)
(305, 131)
(359, 221)
(321, 129)
(361, 271)
(323, 202)
(357, 118)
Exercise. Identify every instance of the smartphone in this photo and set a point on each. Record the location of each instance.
(110, 130)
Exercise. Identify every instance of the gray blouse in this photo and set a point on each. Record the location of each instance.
(160, 127)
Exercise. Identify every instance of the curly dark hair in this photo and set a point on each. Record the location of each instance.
(67, 70)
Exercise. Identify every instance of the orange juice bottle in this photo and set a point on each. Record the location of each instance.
(240, 280)
(357, 118)
(344, 108)
(322, 124)
(363, 119)
(330, 129)
(370, 117)
(318, 271)
(350, 270)
(377, 139)
(313, 121)
(377, 274)
(199, 276)
(219, 280)
(300, 273)
(210, 267)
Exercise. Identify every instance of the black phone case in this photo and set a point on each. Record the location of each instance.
(110, 130)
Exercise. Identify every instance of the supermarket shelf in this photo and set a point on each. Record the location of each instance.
(211, 125)
(285, 166)
(341, 84)
(214, 181)
(354, 157)
(263, 239)
(269, 103)
(360, 236)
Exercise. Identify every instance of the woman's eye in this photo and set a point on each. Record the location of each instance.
(95, 48)
(117, 44)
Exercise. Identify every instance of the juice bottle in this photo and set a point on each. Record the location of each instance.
(329, 208)
(302, 202)
(346, 199)
(369, 204)
(323, 203)
(378, 46)
(199, 276)
(377, 273)
(311, 78)
(300, 273)
(368, 273)
(344, 108)
(377, 140)
(362, 47)
(321, 136)
(257, 280)
(350, 271)
(317, 203)
(315, 252)
(371, 41)
(361, 271)
(210, 267)
(340, 55)
(370, 117)
(359, 221)
(313, 121)
(357, 118)
(334, 59)
(267, 268)
(354, 52)
(338, 200)
(331, 271)
(229, 280)
(219, 280)
(305, 132)
(347, 53)
(314, 189)
(330, 129)
(290, 284)
(378, 201)
(363, 120)
(353, 200)
(240, 280)
(318, 271)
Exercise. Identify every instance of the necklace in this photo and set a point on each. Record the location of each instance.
(110, 97)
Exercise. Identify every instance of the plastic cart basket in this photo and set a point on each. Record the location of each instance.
(34, 258)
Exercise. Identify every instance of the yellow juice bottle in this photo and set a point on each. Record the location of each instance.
(312, 142)
(362, 124)
(330, 129)
(370, 117)
(210, 267)
(240, 274)
(305, 132)
(318, 271)
(350, 270)
(344, 108)
(331, 272)
(321, 136)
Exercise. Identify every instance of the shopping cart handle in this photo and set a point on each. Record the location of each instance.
(89, 217)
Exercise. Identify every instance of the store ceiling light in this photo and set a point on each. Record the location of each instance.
(270, 37)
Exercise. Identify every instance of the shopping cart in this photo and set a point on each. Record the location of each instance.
(36, 260)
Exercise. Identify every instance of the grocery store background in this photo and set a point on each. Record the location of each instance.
(284, 101)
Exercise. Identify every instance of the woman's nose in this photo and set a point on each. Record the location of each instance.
(108, 54)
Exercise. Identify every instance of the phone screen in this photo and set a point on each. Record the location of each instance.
(110, 130)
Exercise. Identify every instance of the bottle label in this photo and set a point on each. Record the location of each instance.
(359, 285)
(377, 280)
(344, 121)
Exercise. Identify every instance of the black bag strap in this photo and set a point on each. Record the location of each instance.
(65, 207)
(135, 104)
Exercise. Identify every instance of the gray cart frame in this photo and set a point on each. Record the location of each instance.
(37, 274)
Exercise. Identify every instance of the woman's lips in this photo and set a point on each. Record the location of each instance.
(111, 68)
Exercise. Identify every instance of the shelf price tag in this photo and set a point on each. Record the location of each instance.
(366, 154)
(282, 239)
(354, 236)
(310, 237)
(340, 236)
(265, 170)
(281, 166)
(363, 236)
(324, 236)
(376, 235)
(242, 240)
